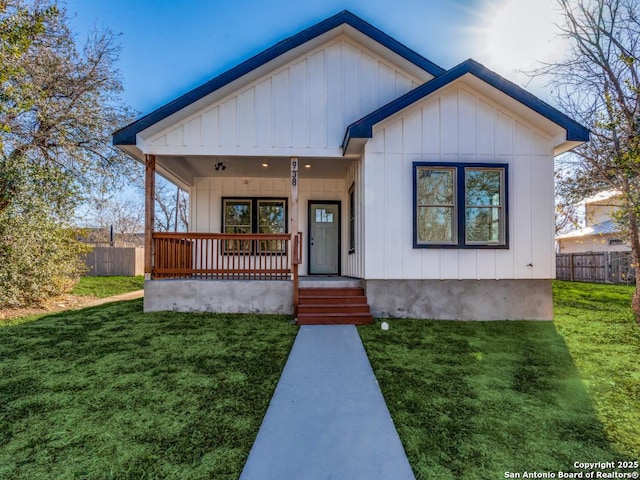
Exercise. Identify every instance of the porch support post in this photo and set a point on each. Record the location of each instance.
(295, 247)
(294, 195)
(149, 213)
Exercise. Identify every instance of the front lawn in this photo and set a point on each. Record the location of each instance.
(479, 399)
(110, 393)
(604, 342)
(103, 287)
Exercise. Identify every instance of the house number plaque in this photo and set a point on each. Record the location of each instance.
(294, 173)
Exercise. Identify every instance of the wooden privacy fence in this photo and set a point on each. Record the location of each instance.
(106, 261)
(598, 267)
(222, 256)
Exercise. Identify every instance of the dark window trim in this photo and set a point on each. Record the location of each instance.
(352, 218)
(254, 218)
(460, 205)
(254, 211)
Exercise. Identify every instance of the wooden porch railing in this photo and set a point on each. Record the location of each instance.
(296, 260)
(223, 256)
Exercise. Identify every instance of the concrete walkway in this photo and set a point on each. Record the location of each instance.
(327, 418)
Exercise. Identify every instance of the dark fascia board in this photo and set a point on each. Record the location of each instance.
(127, 135)
(363, 128)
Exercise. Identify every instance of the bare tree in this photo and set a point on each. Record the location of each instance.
(60, 104)
(598, 84)
(568, 213)
(124, 214)
(182, 220)
(172, 206)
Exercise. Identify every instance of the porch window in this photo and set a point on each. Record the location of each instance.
(460, 205)
(271, 219)
(254, 215)
(237, 219)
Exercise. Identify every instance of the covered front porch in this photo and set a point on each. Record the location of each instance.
(257, 225)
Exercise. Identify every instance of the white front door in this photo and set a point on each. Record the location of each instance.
(324, 238)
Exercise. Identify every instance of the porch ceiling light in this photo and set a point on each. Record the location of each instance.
(307, 165)
(265, 164)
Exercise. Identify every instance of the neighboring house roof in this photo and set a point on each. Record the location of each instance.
(604, 228)
(127, 135)
(602, 196)
(363, 128)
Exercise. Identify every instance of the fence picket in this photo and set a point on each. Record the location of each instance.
(597, 267)
(109, 261)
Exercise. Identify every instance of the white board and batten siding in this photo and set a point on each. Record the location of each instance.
(300, 109)
(458, 125)
(208, 192)
(354, 265)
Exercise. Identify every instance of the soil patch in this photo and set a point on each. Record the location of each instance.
(63, 303)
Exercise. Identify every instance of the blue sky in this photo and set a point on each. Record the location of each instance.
(172, 46)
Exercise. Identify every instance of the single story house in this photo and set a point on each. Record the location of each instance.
(340, 159)
(600, 232)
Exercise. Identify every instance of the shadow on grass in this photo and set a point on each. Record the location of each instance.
(110, 392)
(478, 399)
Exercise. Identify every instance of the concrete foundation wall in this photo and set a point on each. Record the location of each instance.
(227, 296)
(461, 299)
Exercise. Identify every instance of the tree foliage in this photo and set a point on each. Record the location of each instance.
(38, 259)
(598, 84)
(58, 106)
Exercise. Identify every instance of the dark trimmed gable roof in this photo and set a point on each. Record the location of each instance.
(127, 135)
(363, 128)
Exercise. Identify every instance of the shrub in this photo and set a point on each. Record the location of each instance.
(39, 258)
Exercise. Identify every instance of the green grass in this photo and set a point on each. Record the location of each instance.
(478, 399)
(103, 287)
(603, 340)
(111, 393)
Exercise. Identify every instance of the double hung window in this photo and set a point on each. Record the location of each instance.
(254, 215)
(460, 205)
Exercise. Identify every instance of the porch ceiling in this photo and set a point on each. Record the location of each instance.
(187, 168)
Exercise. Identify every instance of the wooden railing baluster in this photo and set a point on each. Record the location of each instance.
(223, 256)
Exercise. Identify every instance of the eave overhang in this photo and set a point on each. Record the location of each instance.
(127, 136)
(574, 134)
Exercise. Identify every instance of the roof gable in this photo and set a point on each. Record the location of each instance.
(300, 108)
(363, 128)
(127, 135)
